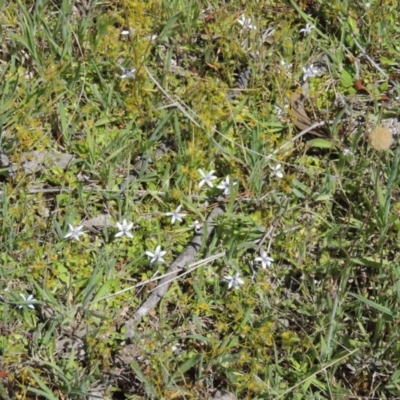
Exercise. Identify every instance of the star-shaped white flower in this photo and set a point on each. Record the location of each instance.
(29, 300)
(129, 31)
(281, 111)
(286, 66)
(264, 260)
(124, 229)
(234, 281)
(176, 215)
(157, 256)
(127, 73)
(207, 178)
(277, 171)
(310, 72)
(74, 232)
(307, 30)
(196, 226)
(245, 22)
(347, 152)
(225, 186)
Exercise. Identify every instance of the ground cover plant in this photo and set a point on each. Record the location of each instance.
(199, 199)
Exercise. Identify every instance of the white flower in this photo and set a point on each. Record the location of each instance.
(127, 73)
(234, 281)
(124, 229)
(265, 260)
(176, 215)
(286, 66)
(347, 152)
(281, 110)
(207, 178)
(277, 171)
(74, 232)
(196, 226)
(307, 30)
(225, 186)
(310, 72)
(245, 22)
(157, 256)
(28, 300)
(126, 32)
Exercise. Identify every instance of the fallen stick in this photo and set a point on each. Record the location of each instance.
(184, 259)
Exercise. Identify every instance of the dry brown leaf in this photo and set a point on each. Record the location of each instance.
(299, 116)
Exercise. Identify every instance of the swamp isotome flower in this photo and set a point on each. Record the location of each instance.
(29, 300)
(207, 178)
(234, 281)
(196, 226)
(281, 111)
(176, 215)
(225, 186)
(310, 72)
(157, 256)
(286, 67)
(277, 171)
(245, 22)
(124, 229)
(307, 30)
(74, 232)
(264, 259)
(127, 73)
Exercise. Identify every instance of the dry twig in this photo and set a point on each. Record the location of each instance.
(185, 259)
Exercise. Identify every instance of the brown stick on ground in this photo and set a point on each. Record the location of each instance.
(186, 258)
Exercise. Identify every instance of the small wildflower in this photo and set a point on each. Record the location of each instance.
(286, 67)
(28, 300)
(225, 186)
(310, 72)
(126, 32)
(176, 215)
(176, 347)
(157, 256)
(265, 260)
(245, 22)
(196, 226)
(281, 111)
(307, 30)
(207, 178)
(124, 229)
(234, 281)
(277, 171)
(347, 152)
(127, 73)
(74, 232)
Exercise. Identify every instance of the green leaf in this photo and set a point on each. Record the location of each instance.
(346, 79)
(46, 392)
(168, 26)
(366, 263)
(387, 61)
(188, 364)
(373, 304)
(320, 143)
(109, 285)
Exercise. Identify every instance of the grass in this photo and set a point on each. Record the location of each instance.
(321, 322)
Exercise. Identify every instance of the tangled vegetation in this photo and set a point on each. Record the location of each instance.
(124, 124)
